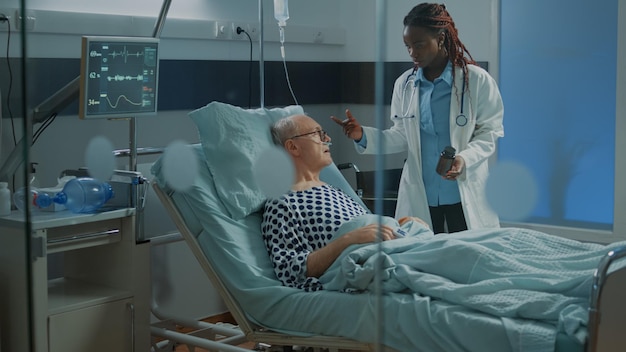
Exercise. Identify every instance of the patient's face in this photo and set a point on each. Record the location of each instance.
(314, 151)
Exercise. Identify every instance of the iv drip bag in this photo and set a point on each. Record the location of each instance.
(281, 12)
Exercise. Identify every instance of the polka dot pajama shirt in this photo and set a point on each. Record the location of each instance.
(301, 222)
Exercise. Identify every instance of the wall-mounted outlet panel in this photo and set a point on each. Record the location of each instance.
(223, 30)
(243, 26)
(29, 23)
(253, 31)
(318, 37)
(14, 17)
(10, 20)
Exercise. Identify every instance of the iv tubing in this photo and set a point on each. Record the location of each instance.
(281, 29)
(282, 51)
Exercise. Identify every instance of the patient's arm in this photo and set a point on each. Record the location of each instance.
(320, 260)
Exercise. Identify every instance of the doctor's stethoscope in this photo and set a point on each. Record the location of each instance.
(461, 119)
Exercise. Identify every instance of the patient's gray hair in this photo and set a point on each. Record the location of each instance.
(283, 129)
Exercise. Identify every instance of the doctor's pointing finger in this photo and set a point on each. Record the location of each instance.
(351, 127)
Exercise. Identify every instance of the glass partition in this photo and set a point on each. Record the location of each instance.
(19, 250)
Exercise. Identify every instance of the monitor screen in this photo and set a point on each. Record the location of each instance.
(118, 77)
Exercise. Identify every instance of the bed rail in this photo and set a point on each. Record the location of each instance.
(604, 333)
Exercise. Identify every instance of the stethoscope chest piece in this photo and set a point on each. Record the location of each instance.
(461, 120)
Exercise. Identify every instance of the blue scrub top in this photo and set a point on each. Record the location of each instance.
(434, 105)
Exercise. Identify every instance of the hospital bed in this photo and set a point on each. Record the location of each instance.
(222, 227)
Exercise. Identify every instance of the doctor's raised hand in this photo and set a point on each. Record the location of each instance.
(351, 127)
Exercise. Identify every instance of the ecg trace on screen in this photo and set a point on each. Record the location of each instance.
(122, 78)
(125, 54)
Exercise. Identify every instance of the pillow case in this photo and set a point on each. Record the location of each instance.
(232, 139)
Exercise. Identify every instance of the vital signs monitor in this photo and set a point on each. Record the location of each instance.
(118, 77)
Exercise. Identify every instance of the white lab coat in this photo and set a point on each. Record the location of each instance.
(475, 142)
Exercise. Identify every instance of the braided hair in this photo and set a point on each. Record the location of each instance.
(435, 17)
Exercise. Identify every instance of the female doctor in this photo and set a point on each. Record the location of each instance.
(445, 100)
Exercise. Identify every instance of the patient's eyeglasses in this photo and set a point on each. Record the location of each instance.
(321, 133)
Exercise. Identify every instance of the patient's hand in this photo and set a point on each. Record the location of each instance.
(413, 218)
(320, 260)
(369, 233)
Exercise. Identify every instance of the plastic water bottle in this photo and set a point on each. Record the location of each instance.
(281, 12)
(34, 181)
(84, 195)
(5, 199)
(21, 200)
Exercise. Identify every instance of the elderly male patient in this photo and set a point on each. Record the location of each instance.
(298, 227)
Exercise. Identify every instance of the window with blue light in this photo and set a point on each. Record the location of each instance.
(558, 62)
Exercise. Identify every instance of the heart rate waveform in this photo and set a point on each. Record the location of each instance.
(124, 53)
(119, 78)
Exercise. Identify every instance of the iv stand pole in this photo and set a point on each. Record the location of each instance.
(158, 27)
(261, 56)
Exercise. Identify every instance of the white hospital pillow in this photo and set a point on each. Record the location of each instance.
(232, 139)
(274, 171)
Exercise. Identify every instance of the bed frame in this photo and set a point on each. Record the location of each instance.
(249, 329)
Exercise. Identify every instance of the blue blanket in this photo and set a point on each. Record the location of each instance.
(516, 274)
